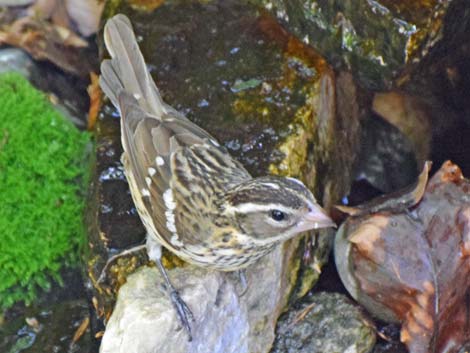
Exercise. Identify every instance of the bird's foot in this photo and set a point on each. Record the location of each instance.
(184, 313)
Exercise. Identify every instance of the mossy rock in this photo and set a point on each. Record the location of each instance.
(42, 173)
(379, 40)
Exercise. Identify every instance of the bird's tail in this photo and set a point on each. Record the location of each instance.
(126, 71)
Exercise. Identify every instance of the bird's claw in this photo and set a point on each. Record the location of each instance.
(184, 313)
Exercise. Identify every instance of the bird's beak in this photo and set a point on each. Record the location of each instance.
(316, 218)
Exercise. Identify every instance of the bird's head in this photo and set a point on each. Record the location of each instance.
(274, 208)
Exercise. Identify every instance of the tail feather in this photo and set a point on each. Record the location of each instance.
(126, 70)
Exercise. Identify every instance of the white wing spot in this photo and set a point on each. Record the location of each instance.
(145, 193)
(152, 171)
(175, 240)
(170, 220)
(160, 161)
(137, 96)
(170, 205)
(168, 199)
(171, 227)
(148, 181)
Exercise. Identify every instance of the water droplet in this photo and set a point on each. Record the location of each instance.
(203, 103)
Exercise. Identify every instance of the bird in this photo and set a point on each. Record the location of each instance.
(193, 198)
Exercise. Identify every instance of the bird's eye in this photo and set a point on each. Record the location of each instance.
(278, 215)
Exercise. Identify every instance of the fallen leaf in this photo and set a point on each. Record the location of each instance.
(95, 94)
(412, 265)
(82, 16)
(46, 41)
(397, 201)
(81, 329)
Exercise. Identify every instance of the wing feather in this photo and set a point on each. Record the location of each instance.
(176, 170)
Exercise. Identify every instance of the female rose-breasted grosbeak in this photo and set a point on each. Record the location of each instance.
(191, 195)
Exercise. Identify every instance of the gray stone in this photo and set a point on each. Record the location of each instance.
(326, 322)
(226, 320)
(12, 59)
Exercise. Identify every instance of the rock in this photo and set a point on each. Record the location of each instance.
(12, 59)
(409, 115)
(325, 322)
(144, 319)
(387, 160)
(375, 39)
(255, 312)
(48, 328)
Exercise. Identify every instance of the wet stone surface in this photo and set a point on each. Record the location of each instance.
(387, 160)
(325, 322)
(218, 67)
(376, 39)
(49, 325)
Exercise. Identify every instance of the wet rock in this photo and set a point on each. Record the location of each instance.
(387, 161)
(49, 328)
(443, 81)
(409, 115)
(12, 59)
(325, 322)
(376, 39)
(390, 347)
(275, 104)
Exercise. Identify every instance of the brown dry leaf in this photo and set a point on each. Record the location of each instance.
(414, 264)
(46, 41)
(94, 91)
(80, 15)
(81, 329)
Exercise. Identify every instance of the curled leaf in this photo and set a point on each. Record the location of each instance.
(411, 264)
(398, 201)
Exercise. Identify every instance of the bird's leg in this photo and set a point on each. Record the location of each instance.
(113, 258)
(184, 313)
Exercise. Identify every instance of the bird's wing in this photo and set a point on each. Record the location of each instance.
(179, 170)
(175, 168)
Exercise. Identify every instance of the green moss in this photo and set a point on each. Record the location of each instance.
(41, 191)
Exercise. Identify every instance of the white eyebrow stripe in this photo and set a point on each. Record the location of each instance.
(254, 207)
(296, 181)
(271, 185)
